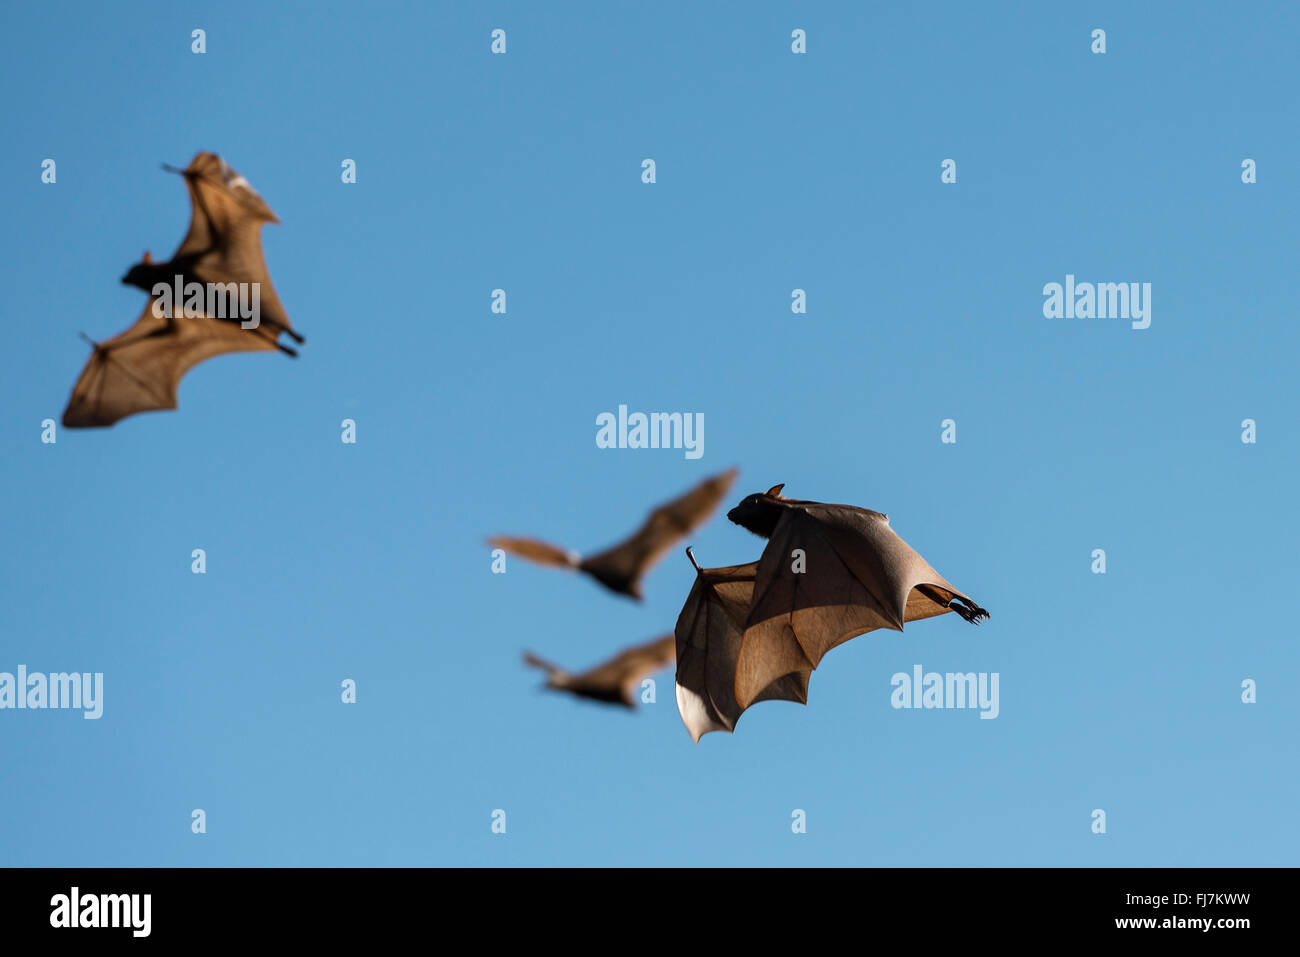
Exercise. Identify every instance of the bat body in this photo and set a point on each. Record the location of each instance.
(615, 681)
(621, 567)
(828, 574)
(140, 369)
(708, 635)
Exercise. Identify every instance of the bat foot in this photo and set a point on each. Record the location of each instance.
(974, 614)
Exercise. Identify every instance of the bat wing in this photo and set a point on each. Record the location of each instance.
(140, 369)
(622, 566)
(617, 680)
(708, 642)
(224, 241)
(857, 575)
(542, 553)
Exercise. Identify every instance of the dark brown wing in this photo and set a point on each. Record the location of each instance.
(857, 575)
(224, 241)
(622, 566)
(708, 642)
(140, 369)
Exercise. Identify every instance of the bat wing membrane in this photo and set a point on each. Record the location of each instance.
(539, 552)
(140, 369)
(708, 637)
(224, 241)
(857, 576)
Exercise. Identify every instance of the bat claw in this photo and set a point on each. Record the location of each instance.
(974, 614)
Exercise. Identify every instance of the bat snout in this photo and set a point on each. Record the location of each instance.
(137, 276)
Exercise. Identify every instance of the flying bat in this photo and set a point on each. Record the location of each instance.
(708, 637)
(139, 370)
(621, 567)
(827, 574)
(615, 681)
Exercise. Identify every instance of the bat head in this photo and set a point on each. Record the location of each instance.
(143, 275)
(759, 513)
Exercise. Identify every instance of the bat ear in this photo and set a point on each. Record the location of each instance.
(775, 490)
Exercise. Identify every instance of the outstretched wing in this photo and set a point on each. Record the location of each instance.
(619, 678)
(708, 642)
(828, 574)
(140, 369)
(224, 241)
(628, 561)
(543, 553)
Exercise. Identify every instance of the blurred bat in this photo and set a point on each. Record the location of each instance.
(224, 241)
(708, 643)
(622, 567)
(828, 574)
(140, 369)
(618, 680)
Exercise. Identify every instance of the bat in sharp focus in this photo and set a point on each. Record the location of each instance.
(854, 575)
(615, 681)
(708, 636)
(140, 369)
(621, 567)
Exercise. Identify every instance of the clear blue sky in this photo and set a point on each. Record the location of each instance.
(775, 171)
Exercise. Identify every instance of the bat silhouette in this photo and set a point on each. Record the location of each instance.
(616, 681)
(140, 369)
(708, 637)
(621, 567)
(828, 573)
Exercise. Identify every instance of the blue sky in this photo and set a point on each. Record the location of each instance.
(774, 171)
